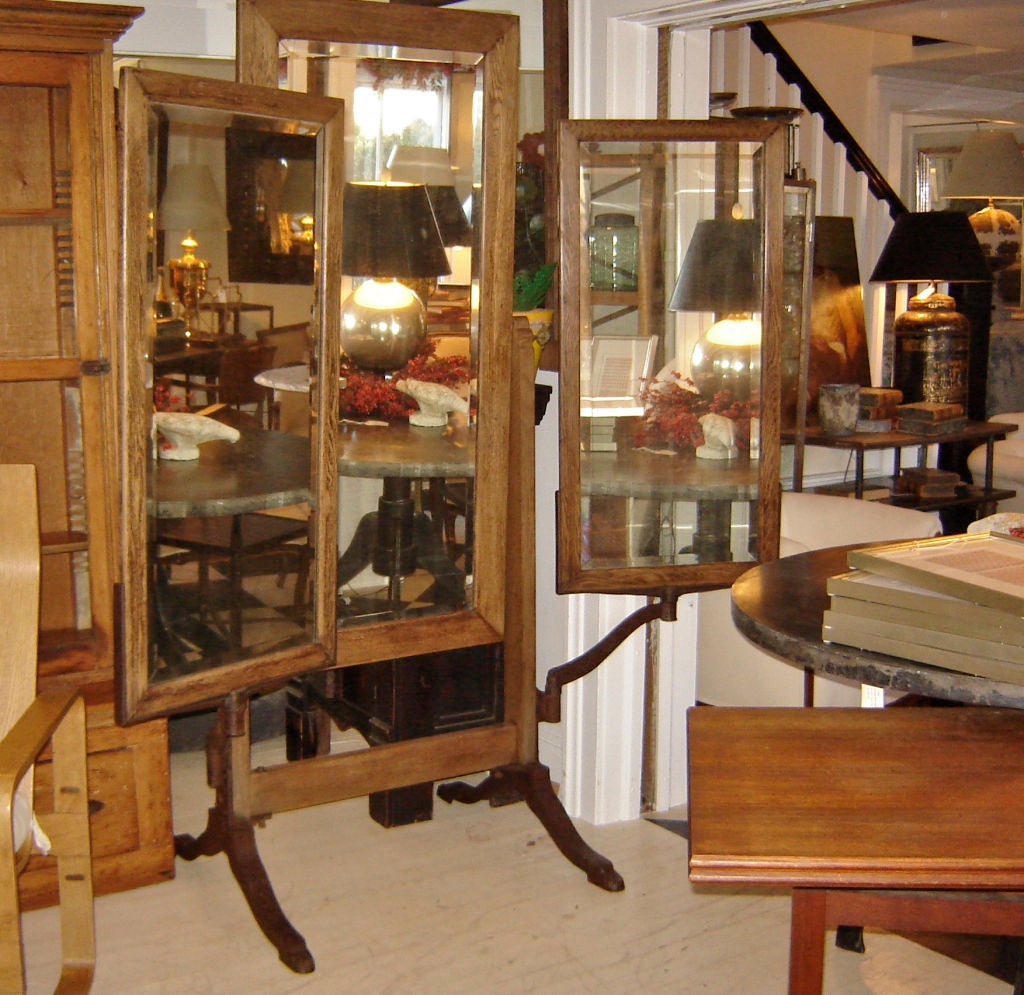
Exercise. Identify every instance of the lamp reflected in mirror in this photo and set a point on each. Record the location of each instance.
(719, 274)
(990, 167)
(389, 237)
(432, 167)
(191, 203)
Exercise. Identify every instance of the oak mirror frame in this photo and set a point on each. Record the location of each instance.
(490, 43)
(147, 686)
(646, 503)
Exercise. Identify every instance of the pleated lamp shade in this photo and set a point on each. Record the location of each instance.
(191, 200)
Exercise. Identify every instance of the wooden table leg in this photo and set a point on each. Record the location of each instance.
(807, 942)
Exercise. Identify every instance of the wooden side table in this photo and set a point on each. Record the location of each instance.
(232, 311)
(983, 497)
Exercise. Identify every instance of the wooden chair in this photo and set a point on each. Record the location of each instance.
(905, 819)
(234, 385)
(28, 722)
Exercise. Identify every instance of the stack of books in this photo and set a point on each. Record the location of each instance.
(927, 483)
(930, 418)
(877, 408)
(955, 602)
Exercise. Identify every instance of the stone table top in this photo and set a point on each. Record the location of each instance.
(779, 607)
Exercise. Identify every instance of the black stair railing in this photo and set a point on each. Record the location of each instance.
(812, 99)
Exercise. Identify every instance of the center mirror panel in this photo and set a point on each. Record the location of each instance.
(425, 337)
(409, 336)
(224, 558)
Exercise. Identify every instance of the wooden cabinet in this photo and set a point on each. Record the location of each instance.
(129, 814)
(58, 315)
(395, 700)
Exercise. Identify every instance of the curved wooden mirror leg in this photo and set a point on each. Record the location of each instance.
(234, 835)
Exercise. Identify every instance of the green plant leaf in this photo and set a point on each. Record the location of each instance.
(530, 289)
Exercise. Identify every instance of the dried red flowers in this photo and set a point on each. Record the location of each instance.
(672, 413)
(369, 393)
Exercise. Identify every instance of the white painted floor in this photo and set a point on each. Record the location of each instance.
(476, 901)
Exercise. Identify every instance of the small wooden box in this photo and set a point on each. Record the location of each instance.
(129, 801)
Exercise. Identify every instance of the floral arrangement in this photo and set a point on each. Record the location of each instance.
(371, 393)
(166, 400)
(672, 413)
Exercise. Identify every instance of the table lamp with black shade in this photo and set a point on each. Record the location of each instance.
(390, 237)
(720, 274)
(190, 203)
(932, 340)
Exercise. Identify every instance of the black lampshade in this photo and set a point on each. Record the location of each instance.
(390, 231)
(721, 270)
(932, 246)
(451, 219)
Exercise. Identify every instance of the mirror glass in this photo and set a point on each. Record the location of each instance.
(223, 485)
(269, 188)
(668, 263)
(228, 494)
(410, 322)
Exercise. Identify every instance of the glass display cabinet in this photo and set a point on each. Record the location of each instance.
(671, 352)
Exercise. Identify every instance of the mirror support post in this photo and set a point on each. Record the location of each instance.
(228, 832)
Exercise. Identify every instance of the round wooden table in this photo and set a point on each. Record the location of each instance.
(779, 607)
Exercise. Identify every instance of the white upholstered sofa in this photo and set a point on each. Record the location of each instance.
(730, 669)
(1007, 462)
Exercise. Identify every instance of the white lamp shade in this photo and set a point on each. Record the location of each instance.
(191, 200)
(420, 164)
(990, 166)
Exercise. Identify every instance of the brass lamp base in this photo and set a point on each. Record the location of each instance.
(188, 278)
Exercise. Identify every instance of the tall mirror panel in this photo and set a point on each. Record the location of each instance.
(424, 337)
(225, 527)
(671, 333)
(409, 335)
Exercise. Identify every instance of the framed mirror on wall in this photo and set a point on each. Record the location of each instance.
(270, 190)
(671, 230)
(199, 489)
